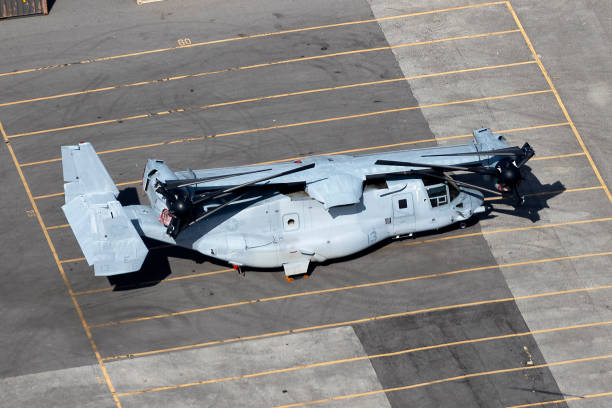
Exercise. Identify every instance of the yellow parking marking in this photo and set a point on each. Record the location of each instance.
(506, 230)
(311, 122)
(270, 97)
(344, 288)
(564, 400)
(541, 193)
(58, 226)
(60, 268)
(250, 99)
(172, 279)
(559, 101)
(448, 379)
(72, 260)
(558, 156)
(247, 37)
(370, 357)
(350, 322)
(125, 183)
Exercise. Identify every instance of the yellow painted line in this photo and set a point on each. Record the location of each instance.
(58, 227)
(50, 195)
(559, 101)
(72, 260)
(247, 37)
(344, 288)
(516, 229)
(312, 122)
(444, 380)
(541, 193)
(370, 357)
(60, 268)
(558, 156)
(283, 95)
(350, 322)
(175, 278)
(125, 183)
(254, 99)
(564, 400)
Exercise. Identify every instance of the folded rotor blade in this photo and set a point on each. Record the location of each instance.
(461, 183)
(190, 182)
(222, 192)
(508, 151)
(479, 169)
(214, 210)
(260, 180)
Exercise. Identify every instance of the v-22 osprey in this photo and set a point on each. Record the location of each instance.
(286, 214)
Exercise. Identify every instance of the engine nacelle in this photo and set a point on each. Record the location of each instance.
(156, 170)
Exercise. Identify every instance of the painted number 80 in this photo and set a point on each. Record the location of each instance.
(184, 41)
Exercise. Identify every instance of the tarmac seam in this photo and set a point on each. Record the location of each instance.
(447, 379)
(366, 357)
(561, 401)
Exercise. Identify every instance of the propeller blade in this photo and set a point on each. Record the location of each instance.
(189, 182)
(479, 169)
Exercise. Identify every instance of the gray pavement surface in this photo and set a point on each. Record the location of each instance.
(447, 334)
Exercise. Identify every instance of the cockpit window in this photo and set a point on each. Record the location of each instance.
(403, 203)
(438, 194)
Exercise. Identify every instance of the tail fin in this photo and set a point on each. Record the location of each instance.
(105, 234)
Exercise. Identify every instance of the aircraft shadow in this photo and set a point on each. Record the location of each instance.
(536, 195)
(156, 266)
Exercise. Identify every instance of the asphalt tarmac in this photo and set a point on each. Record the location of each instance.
(512, 311)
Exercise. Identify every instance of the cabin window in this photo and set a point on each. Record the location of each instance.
(291, 222)
(403, 203)
(438, 195)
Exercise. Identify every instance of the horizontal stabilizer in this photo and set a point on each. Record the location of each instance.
(104, 232)
(84, 172)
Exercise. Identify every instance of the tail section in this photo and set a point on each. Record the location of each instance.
(105, 234)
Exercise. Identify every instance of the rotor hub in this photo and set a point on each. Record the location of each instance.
(509, 174)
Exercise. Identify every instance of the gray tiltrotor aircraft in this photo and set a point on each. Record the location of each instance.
(285, 214)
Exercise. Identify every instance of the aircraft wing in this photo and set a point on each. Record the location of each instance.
(105, 234)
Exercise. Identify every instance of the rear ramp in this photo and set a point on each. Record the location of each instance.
(104, 232)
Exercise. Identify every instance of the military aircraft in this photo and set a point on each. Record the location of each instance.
(286, 214)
